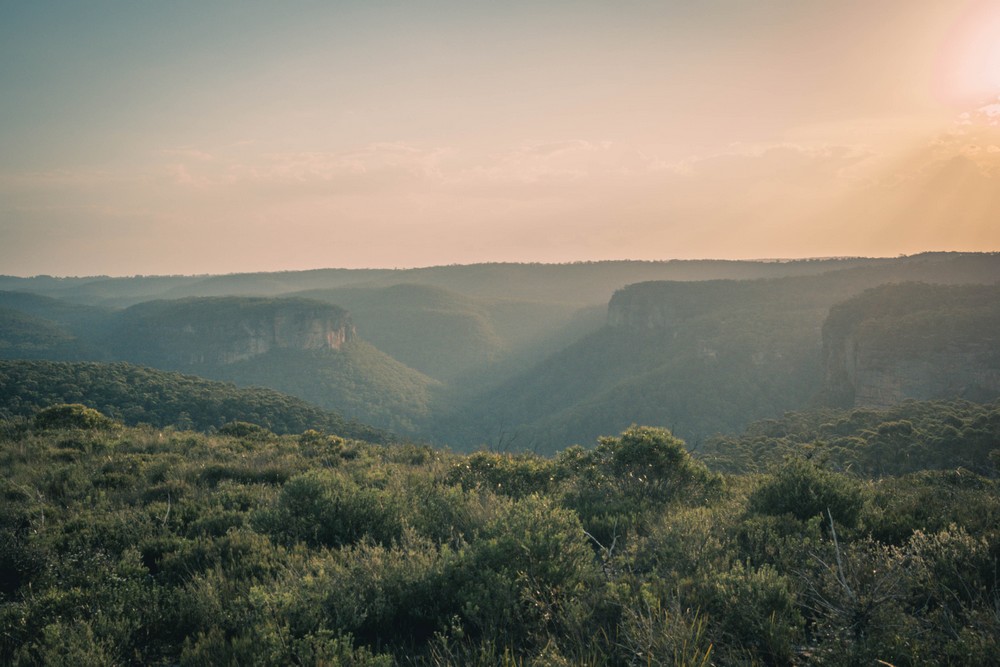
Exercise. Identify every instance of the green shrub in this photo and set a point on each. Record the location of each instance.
(515, 475)
(804, 490)
(245, 431)
(73, 415)
(67, 644)
(528, 574)
(326, 507)
(625, 481)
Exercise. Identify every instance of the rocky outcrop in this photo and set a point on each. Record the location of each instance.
(960, 371)
(913, 341)
(664, 304)
(219, 331)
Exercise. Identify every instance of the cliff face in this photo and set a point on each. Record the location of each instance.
(219, 331)
(869, 380)
(661, 305)
(227, 342)
(913, 341)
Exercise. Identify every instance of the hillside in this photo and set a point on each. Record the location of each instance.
(698, 357)
(357, 380)
(139, 395)
(303, 347)
(740, 352)
(504, 355)
(85, 322)
(448, 335)
(25, 336)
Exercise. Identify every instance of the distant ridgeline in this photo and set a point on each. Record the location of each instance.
(134, 395)
(913, 341)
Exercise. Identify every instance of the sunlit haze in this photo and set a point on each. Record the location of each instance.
(215, 137)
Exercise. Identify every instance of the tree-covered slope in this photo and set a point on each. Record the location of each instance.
(304, 347)
(357, 380)
(905, 438)
(25, 336)
(451, 336)
(136, 394)
(85, 322)
(699, 357)
(710, 373)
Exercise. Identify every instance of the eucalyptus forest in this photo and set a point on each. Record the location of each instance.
(609, 463)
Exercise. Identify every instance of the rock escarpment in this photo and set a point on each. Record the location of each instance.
(913, 341)
(218, 331)
(658, 305)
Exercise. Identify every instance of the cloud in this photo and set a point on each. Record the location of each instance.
(563, 200)
(369, 168)
(751, 162)
(186, 153)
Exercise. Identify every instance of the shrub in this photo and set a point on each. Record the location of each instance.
(515, 475)
(623, 481)
(245, 430)
(803, 489)
(73, 415)
(325, 507)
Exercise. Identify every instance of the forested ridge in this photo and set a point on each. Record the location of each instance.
(537, 356)
(139, 395)
(126, 545)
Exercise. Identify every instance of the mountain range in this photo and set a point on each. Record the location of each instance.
(524, 356)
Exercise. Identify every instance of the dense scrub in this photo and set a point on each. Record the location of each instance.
(140, 546)
(910, 437)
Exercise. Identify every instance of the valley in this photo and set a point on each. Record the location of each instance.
(418, 467)
(538, 357)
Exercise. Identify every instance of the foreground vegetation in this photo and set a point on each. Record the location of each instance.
(124, 545)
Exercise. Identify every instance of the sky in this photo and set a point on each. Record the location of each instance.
(182, 137)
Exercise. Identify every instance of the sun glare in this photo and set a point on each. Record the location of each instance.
(970, 66)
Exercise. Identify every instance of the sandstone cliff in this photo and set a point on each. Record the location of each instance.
(218, 331)
(913, 341)
(658, 305)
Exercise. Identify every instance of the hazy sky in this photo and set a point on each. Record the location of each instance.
(213, 137)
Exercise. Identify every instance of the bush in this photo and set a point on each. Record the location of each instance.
(325, 507)
(245, 431)
(626, 480)
(73, 415)
(803, 489)
(515, 475)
